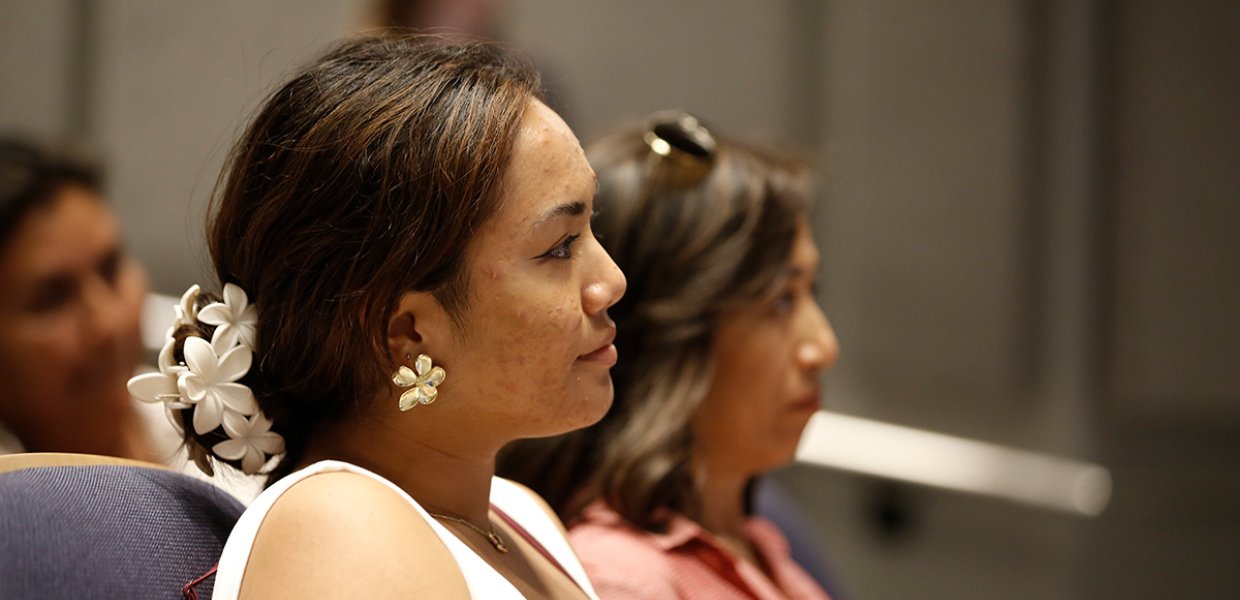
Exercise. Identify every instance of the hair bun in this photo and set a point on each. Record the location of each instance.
(208, 350)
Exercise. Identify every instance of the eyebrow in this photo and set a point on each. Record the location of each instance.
(568, 209)
(793, 273)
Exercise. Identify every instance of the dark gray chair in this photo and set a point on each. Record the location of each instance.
(114, 529)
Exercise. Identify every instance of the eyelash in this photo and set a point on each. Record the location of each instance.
(564, 250)
(786, 300)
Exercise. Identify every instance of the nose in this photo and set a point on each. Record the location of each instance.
(103, 315)
(819, 349)
(606, 285)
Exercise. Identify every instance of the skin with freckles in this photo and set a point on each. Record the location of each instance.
(540, 287)
(69, 329)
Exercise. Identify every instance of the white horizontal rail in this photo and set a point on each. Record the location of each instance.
(935, 459)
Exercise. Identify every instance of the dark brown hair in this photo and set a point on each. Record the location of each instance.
(32, 174)
(691, 253)
(363, 177)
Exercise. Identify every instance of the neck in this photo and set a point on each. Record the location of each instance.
(438, 465)
(722, 494)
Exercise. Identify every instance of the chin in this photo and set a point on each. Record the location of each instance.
(589, 408)
(782, 453)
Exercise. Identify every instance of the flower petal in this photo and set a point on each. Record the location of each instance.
(253, 460)
(234, 364)
(185, 311)
(207, 414)
(149, 387)
(235, 298)
(269, 442)
(246, 335)
(422, 365)
(404, 377)
(201, 358)
(408, 399)
(230, 449)
(427, 394)
(236, 397)
(435, 377)
(215, 314)
(167, 356)
(224, 339)
(236, 425)
(193, 389)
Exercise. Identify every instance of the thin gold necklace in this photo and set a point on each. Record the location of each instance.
(491, 535)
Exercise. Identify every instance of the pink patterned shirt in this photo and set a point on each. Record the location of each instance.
(686, 562)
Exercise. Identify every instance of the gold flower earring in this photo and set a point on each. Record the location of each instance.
(422, 379)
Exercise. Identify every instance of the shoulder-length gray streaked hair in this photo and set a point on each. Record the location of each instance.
(692, 252)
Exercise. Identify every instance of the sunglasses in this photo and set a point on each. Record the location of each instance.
(681, 148)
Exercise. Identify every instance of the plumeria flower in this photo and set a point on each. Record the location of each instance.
(167, 361)
(162, 386)
(234, 319)
(187, 310)
(424, 382)
(252, 441)
(210, 383)
(157, 387)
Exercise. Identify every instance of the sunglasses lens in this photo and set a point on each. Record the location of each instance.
(679, 138)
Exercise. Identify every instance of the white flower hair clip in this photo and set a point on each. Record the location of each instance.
(234, 320)
(207, 380)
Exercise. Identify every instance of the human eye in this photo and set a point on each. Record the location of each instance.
(52, 296)
(784, 302)
(110, 267)
(564, 249)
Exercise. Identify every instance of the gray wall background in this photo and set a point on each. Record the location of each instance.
(1027, 223)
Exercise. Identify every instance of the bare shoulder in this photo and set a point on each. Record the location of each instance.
(345, 535)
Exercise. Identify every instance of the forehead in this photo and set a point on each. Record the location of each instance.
(804, 251)
(75, 225)
(547, 168)
(69, 233)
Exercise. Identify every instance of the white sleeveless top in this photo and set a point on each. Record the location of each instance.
(481, 578)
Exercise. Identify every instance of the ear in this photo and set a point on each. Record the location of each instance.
(418, 325)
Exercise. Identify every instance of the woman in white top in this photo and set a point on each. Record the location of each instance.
(409, 282)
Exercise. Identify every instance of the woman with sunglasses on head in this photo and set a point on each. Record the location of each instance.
(409, 282)
(721, 345)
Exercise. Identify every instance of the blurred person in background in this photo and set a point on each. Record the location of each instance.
(721, 345)
(70, 309)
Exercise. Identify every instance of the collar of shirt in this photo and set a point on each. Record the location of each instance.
(681, 530)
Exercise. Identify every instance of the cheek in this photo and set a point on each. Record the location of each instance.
(131, 295)
(38, 356)
(750, 383)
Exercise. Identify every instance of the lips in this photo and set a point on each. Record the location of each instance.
(811, 401)
(605, 353)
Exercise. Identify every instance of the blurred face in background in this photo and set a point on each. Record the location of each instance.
(767, 361)
(69, 324)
